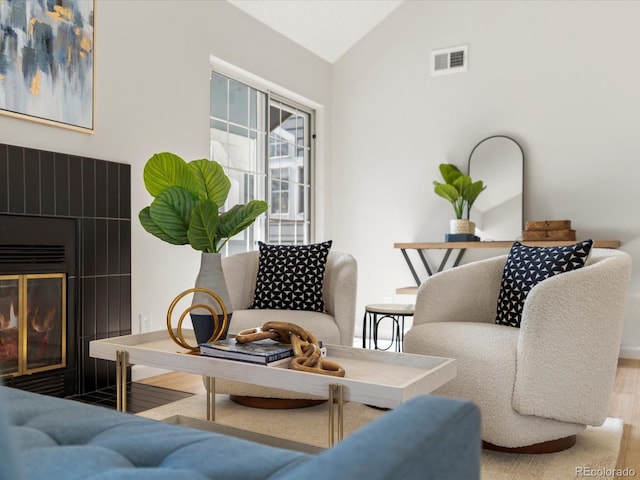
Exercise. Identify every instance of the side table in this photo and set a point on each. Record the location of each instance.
(374, 314)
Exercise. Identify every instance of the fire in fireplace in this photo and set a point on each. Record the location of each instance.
(32, 323)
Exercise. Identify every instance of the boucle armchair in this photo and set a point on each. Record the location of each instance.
(539, 385)
(334, 326)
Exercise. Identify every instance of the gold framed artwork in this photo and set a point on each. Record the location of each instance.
(47, 60)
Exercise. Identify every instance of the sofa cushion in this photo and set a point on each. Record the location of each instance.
(290, 277)
(444, 433)
(57, 438)
(526, 267)
(9, 467)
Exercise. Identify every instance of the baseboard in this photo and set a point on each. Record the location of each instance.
(632, 353)
(139, 372)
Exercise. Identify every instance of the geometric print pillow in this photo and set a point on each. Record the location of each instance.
(290, 277)
(528, 266)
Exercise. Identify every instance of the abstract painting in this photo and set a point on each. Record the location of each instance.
(47, 61)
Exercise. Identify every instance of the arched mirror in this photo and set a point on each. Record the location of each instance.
(497, 212)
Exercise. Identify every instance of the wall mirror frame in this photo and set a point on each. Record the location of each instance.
(498, 160)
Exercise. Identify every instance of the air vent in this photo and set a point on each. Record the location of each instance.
(449, 60)
(32, 254)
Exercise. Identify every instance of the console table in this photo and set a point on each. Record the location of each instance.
(462, 247)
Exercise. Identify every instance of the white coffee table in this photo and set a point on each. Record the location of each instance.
(378, 378)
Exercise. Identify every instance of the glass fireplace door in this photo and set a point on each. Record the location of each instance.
(32, 323)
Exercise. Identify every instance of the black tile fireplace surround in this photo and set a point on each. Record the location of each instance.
(95, 195)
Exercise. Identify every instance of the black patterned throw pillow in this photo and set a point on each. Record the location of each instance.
(290, 277)
(528, 266)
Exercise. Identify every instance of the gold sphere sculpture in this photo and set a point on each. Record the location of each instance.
(219, 325)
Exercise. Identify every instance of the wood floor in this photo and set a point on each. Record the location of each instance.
(140, 397)
(624, 404)
(185, 382)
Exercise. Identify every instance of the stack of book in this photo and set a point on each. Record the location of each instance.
(549, 230)
(262, 352)
(461, 237)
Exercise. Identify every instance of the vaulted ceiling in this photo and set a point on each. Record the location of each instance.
(327, 28)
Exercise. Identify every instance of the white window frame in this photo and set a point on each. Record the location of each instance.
(292, 99)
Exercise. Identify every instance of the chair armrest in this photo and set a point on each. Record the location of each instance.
(468, 293)
(339, 293)
(569, 342)
(426, 438)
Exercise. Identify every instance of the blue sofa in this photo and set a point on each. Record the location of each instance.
(44, 437)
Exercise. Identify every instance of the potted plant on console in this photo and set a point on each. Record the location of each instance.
(462, 192)
(188, 198)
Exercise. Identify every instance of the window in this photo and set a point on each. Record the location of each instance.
(279, 192)
(264, 143)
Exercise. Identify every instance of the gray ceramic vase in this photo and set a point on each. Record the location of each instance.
(211, 277)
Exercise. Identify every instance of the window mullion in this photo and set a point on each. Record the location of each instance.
(265, 159)
(283, 156)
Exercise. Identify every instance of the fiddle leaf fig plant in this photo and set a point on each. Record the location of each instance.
(459, 189)
(188, 198)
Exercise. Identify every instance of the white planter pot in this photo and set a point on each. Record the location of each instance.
(457, 225)
(210, 277)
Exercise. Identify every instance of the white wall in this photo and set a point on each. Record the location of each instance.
(152, 61)
(560, 77)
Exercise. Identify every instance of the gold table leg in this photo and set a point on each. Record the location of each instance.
(210, 383)
(121, 381)
(333, 389)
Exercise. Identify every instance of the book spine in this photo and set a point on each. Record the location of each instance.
(259, 359)
(278, 356)
(252, 357)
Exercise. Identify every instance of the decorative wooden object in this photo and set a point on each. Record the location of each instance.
(568, 235)
(548, 225)
(306, 350)
(549, 230)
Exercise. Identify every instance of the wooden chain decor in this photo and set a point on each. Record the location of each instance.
(306, 350)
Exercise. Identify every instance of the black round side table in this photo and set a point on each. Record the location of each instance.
(374, 314)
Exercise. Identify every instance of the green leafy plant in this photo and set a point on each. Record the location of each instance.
(188, 198)
(458, 188)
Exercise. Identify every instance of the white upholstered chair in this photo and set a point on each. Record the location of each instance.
(539, 385)
(334, 326)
